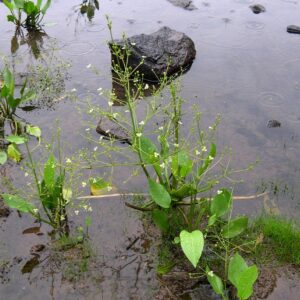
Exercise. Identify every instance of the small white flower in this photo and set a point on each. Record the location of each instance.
(143, 56)
(219, 192)
(142, 123)
(210, 157)
(68, 160)
(26, 174)
(203, 149)
(179, 122)
(99, 89)
(88, 66)
(91, 110)
(197, 152)
(138, 134)
(76, 212)
(210, 128)
(100, 94)
(156, 154)
(146, 86)
(110, 103)
(109, 188)
(107, 131)
(35, 210)
(83, 184)
(73, 90)
(62, 218)
(133, 44)
(115, 115)
(161, 128)
(90, 209)
(101, 138)
(127, 111)
(95, 148)
(162, 165)
(176, 145)
(210, 273)
(87, 129)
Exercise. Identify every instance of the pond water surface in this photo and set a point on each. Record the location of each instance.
(247, 68)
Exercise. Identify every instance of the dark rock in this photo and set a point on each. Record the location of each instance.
(4, 210)
(273, 124)
(186, 4)
(37, 248)
(293, 29)
(257, 8)
(165, 51)
(112, 130)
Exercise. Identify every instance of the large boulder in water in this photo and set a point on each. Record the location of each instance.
(164, 51)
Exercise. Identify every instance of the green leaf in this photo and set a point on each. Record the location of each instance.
(236, 266)
(67, 194)
(46, 6)
(96, 4)
(212, 220)
(49, 172)
(9, 80)
(30, 95)
(38, 4)
(192, 244)
(34, 131)
(184, 191)
(215, 282)
(13, 152)
(3, 157)
(182, 165)
(16, 202)
(246, 281)
(19, 4)
(221, 203)
(159, 194)
(9, 5)
(242, 276)
(98, 185)
(11, 18)
(147, 149)
(17, 139)
(235, 227)
(208, 160)
(160, 218)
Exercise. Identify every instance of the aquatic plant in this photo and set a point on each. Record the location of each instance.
(177, 173)
(88, 7)
(51, 192)
(34, 12)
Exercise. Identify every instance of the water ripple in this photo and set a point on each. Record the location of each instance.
(78, 48)
(271, 99)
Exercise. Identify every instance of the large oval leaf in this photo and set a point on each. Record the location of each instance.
(235, 227)
(13, 152)
(192, 244)
(159, 194)
(160, 219)
(221, 203)
(17, 139)
(147, 149)
(14, 201)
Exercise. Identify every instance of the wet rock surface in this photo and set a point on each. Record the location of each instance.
(4, 210)
(112, 130)
(265, 283)
(257, 8)
(293, 29)
(165, 51)
(273, 124)
(186, 4)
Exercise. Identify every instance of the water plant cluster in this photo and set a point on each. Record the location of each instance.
(186, 197)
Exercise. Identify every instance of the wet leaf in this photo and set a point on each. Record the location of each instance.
(221, 203)
(31, 230)
(159, 194)
(17, 139)
(16, 202)
(30, 265)
(13, 152)
(9, 80)
(192, 244)
(215, 282)
(34, 131)
(160, 218)
(98, 186)
(3, 157)
(235, 227)
(147, 150)
(49, 172)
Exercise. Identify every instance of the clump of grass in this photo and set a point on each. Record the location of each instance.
(281, 238)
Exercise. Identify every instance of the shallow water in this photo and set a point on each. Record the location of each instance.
(247, 69)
